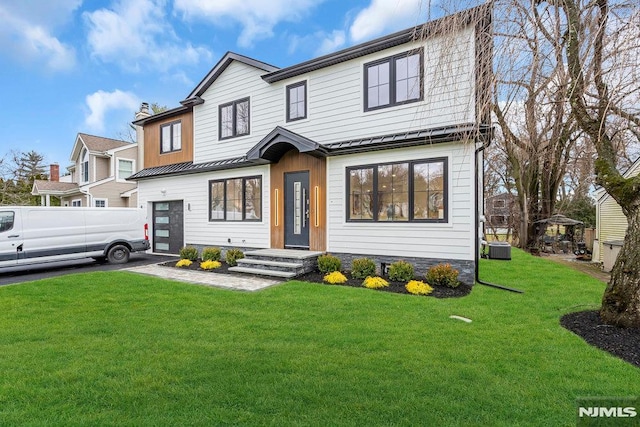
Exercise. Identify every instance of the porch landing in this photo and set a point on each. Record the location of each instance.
(282, 263)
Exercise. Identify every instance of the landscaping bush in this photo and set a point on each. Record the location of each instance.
(363, 267)
(335, 278)
(401, 271)
(443, 275)
(184, 263)
(210, 265)
(418, 288)
(189, 252)
(375, 283)
(233, 255)
(328, 263)
(211, 254)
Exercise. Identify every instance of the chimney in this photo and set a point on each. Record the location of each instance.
(54, 172)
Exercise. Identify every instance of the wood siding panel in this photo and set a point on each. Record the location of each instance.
(152, 155)
(293, 161)
(453, 240)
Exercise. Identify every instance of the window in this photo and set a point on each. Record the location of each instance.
(498, 204)
(125, 168)
(171, 137)
(236, 199)
(297, 101)
(84, 165)
(6, 221)
(393, 81)
(398, 192)
(100, 203)
(234, 119)
(76, 203)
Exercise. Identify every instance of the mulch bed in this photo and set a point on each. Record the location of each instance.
(316, 277)
(620, 342)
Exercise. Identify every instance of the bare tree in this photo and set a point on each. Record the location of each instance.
(602, 52)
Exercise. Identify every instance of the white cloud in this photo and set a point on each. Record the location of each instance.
(332, 42)
(257, 17)
(29, 37)
(384, 16)
(102, 103)
(136, 35)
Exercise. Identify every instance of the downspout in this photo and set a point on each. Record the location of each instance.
(480, 149)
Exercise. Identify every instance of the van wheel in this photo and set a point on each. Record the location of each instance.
(118, 254)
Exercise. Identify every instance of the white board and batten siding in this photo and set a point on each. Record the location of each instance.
(452, 240)
(193, 190)
(335, 100)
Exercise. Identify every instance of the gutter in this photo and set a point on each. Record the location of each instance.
(480, 149)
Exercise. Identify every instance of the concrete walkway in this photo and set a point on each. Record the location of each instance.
(226, 281)
(590, 268)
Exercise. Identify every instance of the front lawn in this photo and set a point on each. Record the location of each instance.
(122, 349)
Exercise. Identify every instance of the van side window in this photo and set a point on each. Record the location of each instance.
(6, 221)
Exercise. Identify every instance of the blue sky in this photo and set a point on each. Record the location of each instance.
(70, 66)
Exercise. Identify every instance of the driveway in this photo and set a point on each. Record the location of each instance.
(44, 271)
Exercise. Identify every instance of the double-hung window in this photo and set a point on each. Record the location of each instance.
(125, 169)
(84, 166)
(233, 119)
(393, 81)
(171, 137)
(236, 199)
(297, 101)
(398, 192)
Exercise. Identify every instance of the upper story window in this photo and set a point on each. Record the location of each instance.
(125, 169)
(234, 119)
(498, 204)
(297, 101)
(84, 165)
(171, 137)
(393, 81)
(398, 192)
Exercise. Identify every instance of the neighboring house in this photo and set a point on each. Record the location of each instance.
(501, 213)
(98, 175)
(370, 151)
(611, 224)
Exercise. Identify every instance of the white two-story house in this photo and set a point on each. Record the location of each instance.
(373, 151)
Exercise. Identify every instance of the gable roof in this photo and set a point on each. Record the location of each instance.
(96, 144)
(41, 186)
(279, 141)
(219, 68)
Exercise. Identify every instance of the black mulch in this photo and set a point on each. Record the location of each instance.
(316, 277)
(394, 287)
(620, 342)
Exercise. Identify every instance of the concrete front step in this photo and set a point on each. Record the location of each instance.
(263, 272)
(265, 264)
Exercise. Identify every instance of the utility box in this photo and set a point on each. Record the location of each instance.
(499, 250)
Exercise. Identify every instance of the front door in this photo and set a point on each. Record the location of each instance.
(168, 227)
(296, 210)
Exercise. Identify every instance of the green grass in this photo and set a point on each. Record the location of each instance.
(121, 349)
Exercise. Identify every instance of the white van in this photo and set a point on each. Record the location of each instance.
(34, 234)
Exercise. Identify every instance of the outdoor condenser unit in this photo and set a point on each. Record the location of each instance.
(499, 250)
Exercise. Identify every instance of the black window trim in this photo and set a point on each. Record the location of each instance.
(234, 115)
(244, 201)
(411, 164)
(171, 148)
(288, 89)
(392, 79)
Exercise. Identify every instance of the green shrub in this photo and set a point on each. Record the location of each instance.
(363, 267)
(328, 264)
(401, 271)
(189, 252)
(375, 283)
(443, 275)
(211, 254)
(233, 255)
